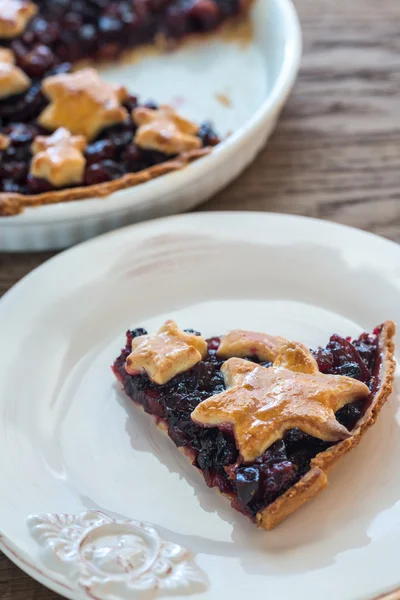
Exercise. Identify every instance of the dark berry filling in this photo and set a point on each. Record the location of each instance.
(110, 156)
(253, 486)
(101, 29)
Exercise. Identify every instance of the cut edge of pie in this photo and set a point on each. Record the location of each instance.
(237, 28)
(316, 478)
(14, 203)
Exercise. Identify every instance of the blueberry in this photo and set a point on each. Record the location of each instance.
(131, 157)
(138, 332)
(21, 134)
(344, 353)
(131, 103)
(278, 477)
(192, 331)
(14, 170)
(10, 186)
(151, 104)
(110, 27)
(100, 150)
(350, 369)
(119, 135)
(349, 414)
(266, 364)
(247, 482)
(88, 34)
(226, 452)
(207, 134)
(38, 61)
(324, 359)
(275, 452)
(177, 436)
(38, 186)
(295, 438)
(106, 170)
(204, 14)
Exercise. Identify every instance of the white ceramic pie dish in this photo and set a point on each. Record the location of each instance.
(256, 76)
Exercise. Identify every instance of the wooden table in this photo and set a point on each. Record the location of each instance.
(335, 154)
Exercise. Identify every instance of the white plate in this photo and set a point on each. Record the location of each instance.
(256, 77)
(70, 441)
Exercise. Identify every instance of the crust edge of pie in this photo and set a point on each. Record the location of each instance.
(13, 204)
(316, 479)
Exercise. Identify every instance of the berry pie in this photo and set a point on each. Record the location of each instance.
(262, 417)
(92, 137)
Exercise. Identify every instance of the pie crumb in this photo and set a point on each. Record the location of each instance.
(224, 100)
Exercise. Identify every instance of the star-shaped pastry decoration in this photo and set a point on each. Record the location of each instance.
(14, 16)
(164, 130)
(242, 343)
(12, 79)
(262, 404)
(59, 158)
(82, 103)
(165, 354)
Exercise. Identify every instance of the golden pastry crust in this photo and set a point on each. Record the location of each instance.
(82, 103)
(316, 478)
(163, 129)
(163, 355)
(296, 357)
(12, 79)
(262, 404)
(58, 158)
(241, 343)
(14, 16)
(4, 142)
(12, 204)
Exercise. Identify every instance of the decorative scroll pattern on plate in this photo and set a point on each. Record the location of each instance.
(106, 558)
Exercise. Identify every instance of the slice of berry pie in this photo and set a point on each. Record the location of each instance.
(262, 418)
(117, 141)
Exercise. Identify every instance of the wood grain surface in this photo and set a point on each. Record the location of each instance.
(335, 153)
